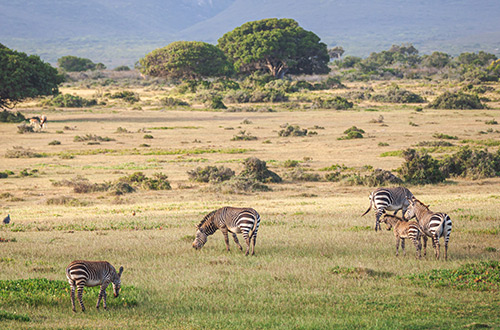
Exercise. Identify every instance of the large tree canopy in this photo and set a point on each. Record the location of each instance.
(278, 45)
(23, 76)
(186, 59)
(77, 64)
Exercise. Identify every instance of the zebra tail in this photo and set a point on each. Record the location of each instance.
(369, 208)
(254, 227)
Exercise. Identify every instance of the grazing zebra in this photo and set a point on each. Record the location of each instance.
(243, 221)
(81, 273)
(388, 199)
(402, 230)
(432, 224)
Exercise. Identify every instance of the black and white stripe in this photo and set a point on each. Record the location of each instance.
(243, 221)
(432, 224)
(403, 230)
(81, 273)
(388, 199)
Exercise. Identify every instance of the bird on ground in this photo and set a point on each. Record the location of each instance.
(6, 220)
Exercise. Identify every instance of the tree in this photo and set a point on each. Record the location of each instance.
(186, 59)
(76, 64)
(278, 45)
(23, 76)
(436, 60)
(336, 52)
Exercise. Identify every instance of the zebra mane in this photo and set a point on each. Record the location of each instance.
(426, 206)
(207, 217)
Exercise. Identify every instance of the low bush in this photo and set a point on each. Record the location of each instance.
(68, 101)
(292, 130)
(211, 174)
(352, 133)
(298, 174)
(92, 137)
(457, 100)
(257, 170)
(11, 117)
(395, 94)
(420, 168)
(337, 103)
(173, 102)
(472, 164)
(24, 128)
(65, 200)
(243, 136)
(20, 152)
(127, 96)
(138, 179)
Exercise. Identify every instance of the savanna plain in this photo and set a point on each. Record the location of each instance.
(318, 263)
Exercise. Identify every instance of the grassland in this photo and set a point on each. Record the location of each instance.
(318, 264)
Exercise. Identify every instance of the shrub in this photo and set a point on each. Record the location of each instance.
(395, 94)
(20, 152)
(256, 169)
(65, 200)
(173, 102)
(240, 185)
(211, 174)
(444, 136)
(11, 117)
(291, 163)
(92, 137)
(243, 136)
(473, 164)
(457, 100)
(68, 101)
(337, 103)
(291, 130)
(420, 168)
(298, 174)
(380, 177)
(127, 96)
(23, 128)
(216, 102)
(54, 143)
(138, 179)
(352, 133)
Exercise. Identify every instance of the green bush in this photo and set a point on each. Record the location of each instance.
(457, 100)
(243, 136)
(337, 103)
(11, 117)
(471, 163)
(211, 174)
(138, 179)
(68, 101)
(353, 133)
(298, 174)
(395, 94)
(173, 102)
(292, 130)
(127, 96)
(420, 168)
(256, 169)
(216, 102)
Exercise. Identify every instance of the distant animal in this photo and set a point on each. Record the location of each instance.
(388, 199)
(35, 122)
(81, 273)
(229, 219)
(43, 121)
(6, 220)
(432, 224)
(402, 230)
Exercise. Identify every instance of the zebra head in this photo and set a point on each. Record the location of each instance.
(200, 239)
(117, 282)
(384, 220)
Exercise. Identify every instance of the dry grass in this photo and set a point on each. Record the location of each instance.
(310, 230)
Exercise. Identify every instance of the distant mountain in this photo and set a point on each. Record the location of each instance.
(119, 32)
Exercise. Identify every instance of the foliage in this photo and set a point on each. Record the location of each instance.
(353, 133)
(173, 102)
(211, 174)
(69, 101)
(292, 130)
(138, 179)
(459, 100)
(256, 169)
(11, 117)
(127, 96)
(243, 136)
(216, 102)
(91, 137)
(298, 174)
(24, 128)
(472, 163)
(71, 63)
(20, 152)
(23, 76)
(12, 316)
(186, 60)
(420, 168)
(395, 94)
(481, 276)
(278, 45)
(337, 103)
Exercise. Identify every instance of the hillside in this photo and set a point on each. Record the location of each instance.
(120, 32)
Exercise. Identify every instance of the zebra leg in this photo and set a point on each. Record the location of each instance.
(424, 238)
(237, 242)
(226, 238)
(80, 296)
(418, 247)
(102, 294)
(247, 240)
(377, 219)
(446, 247)
(397, 246)
(73, 288)
(403, 246)
(435, 242)
(253, 239)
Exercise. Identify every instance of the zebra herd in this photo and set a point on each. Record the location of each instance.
(246, 221)
(429, 224)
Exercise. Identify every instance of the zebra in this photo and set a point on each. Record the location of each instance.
(404, 229)
(243, 221)
(81, 273)
(390, 199)
(432, 224)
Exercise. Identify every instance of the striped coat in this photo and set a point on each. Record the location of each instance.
(388, 199)
(82, 273)
(432, 224)
(232, 220)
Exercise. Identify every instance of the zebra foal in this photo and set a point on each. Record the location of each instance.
(232, 220)
(402, 230)
(81, 273)
(432, 224)
(388, 199)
